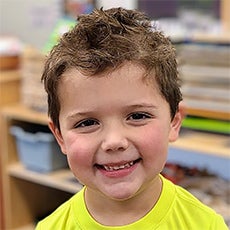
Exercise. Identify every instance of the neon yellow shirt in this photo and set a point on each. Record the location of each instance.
(176, 209)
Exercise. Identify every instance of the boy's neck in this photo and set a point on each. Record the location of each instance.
(117, 213)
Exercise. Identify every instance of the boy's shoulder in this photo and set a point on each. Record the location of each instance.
(185, 210)
(185, 198)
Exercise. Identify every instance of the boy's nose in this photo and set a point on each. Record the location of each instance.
(114, 140)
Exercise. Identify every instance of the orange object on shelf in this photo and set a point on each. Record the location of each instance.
(9, 62)
(10, 51)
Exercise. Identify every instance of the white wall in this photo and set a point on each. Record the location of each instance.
(129, 4)
(30, 20)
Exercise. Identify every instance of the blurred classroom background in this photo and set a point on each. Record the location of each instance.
(33, 184)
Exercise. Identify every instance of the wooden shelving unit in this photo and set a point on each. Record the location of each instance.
(28, 195)
(202, 150)
(204, 70)
(60, 179)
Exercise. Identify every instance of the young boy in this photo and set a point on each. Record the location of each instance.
(113, 98)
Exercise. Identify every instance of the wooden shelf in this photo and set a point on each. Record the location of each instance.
(223, 38)
(23, 113)
(207, 143)
(59, 179)
(208, 113)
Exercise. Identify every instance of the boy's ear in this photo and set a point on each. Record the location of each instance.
(57, 134)
(176, 123)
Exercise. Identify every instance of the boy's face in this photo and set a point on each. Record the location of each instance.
(115, 130)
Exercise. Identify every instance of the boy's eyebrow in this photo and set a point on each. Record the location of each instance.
(133, 106)
(143, 105)
(76, 113)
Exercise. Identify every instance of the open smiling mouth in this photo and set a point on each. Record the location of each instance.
(111, 168)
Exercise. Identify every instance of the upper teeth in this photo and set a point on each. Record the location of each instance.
(117, 167)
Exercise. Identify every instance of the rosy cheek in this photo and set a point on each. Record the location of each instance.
(152, 142)
(150, 136)
(79, 151)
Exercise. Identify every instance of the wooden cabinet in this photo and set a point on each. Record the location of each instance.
(28, 195)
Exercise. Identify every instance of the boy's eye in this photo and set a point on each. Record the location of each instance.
(86, 123)
(139, 116)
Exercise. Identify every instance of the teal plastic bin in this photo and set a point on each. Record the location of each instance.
(38, 151)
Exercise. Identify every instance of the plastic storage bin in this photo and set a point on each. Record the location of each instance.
(38, 151)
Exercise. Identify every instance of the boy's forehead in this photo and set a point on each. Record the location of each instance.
(123, 85)
(127, 68)
(119, 79)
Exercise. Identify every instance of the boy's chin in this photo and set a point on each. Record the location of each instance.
(121, 192)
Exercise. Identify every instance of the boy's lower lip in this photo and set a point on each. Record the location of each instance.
(120, 172)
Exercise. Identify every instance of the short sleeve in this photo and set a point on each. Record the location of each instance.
(219, 224)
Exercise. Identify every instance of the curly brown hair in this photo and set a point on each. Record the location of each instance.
(105, 39)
